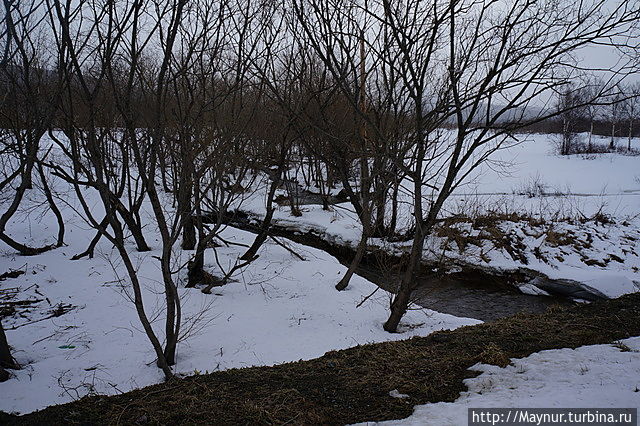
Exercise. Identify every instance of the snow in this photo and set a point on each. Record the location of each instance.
(532, 290)
(533, 163)
(603, 376)
(563, 192)
(395, 394)
(276, 310)
(612, 285)
(281, 309)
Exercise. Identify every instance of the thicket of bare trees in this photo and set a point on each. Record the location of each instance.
(186, 106)
(474, 65)
(581, 106)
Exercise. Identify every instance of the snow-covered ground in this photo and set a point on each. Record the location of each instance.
(81, 334)
(602, 376)
(555, 200)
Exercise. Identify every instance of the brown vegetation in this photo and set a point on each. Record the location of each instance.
(353, 385)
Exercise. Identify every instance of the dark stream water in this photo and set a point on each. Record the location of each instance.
(480, 299)
(467, 294)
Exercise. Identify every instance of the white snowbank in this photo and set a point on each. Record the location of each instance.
(597, 376)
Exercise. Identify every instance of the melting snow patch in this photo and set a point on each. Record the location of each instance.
(532, 290)
(603, 376)
(395, 394)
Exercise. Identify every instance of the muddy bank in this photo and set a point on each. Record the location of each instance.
(460, 290)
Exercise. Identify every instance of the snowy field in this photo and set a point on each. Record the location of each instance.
(80, 334)
(558, 199)
(602, 376)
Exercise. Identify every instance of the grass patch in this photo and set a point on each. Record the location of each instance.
(353, 385)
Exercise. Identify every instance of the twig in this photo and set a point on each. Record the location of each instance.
(44, 338)
(53, 315)
(367, 298)
(229, 243)
(289, 249)
(11, 274)
(226, 277)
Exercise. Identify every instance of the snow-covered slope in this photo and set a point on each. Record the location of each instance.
(80, 333)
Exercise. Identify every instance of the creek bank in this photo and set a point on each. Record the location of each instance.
(457, 288)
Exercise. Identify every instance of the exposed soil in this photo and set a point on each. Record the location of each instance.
(353, 385)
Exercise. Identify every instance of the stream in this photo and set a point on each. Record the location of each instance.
(478, 299)
(467, 293)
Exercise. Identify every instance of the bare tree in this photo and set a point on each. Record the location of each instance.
(6, 360)
(101, 154)
(614, 111)
(26, 110)
(568, 101)
(474, 66)
(354, 79)
(592, 110)
(631, 108)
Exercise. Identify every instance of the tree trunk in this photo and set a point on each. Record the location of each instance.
(92, 245)
(362, 246)
(138, 236)
(13, 207)
(136, 231)
(407, 285)
(379, 229)
(6, 360)
(260, 238)
(52, 205)
(612, 144)
(266, 222)
(188, 232)
(185, 192)
(394, 210)
(402, 298)
(195, 269)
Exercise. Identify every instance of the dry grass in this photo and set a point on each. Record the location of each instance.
(353, 385)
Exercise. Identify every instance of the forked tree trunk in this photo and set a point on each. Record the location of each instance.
(135, 228)
(18, 195)
(52, 205)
